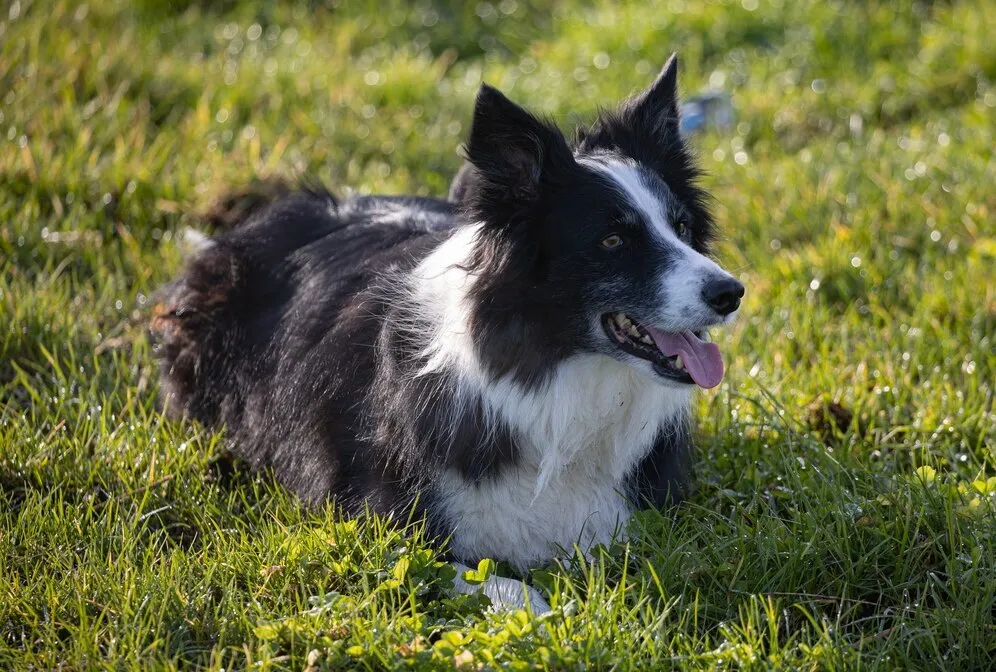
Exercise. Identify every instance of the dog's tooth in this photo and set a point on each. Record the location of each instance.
(646, 339)
(678, 364)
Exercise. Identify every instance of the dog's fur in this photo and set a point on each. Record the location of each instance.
(448, 357)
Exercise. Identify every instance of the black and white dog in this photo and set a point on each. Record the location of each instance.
(516, 367)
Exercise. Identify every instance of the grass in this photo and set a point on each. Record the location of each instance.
(844, 516)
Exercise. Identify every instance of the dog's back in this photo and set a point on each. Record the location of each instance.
(270, 330)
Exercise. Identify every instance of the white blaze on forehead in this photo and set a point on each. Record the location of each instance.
(630, 179)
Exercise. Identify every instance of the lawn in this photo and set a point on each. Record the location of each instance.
(845, 511)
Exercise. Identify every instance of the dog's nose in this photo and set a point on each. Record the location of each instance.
(723, 295)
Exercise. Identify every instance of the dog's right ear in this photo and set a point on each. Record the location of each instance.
(513, 152)
(655, 109)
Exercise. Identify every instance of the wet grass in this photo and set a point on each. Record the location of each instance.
(845, 510)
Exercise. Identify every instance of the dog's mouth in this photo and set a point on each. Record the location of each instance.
(682, 356)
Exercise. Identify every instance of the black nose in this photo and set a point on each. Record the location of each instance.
(723, 295)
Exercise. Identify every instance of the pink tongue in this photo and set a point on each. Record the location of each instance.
(703, 361)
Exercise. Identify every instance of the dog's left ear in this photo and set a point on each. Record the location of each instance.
(655, 109)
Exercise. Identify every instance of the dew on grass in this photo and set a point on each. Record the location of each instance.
(487, 43)
(856, 124)
(430, 18)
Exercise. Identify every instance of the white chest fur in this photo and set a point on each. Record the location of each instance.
(502, 519)
(578, 437)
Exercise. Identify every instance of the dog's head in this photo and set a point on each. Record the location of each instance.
(597, 244)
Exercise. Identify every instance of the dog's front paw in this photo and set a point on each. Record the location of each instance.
(512, 594)
(504, 593)
(537, 603)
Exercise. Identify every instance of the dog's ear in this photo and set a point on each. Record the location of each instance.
(655, 110)
(513, 152)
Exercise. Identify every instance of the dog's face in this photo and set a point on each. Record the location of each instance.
(603, 241)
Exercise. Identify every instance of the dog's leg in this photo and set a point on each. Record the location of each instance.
(504, 593)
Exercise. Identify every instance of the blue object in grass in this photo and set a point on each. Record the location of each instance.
(706, 111)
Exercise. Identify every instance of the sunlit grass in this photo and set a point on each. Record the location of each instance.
(844, 512)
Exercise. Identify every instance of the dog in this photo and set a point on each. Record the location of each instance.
(514, 365)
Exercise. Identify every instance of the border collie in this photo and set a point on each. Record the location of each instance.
(515, 364)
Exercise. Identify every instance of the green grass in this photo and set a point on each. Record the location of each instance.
(856, 196)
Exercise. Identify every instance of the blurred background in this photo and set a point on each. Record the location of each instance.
(853, 175)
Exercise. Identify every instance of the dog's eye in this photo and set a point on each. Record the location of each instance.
(612, 242)
(681, 228)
